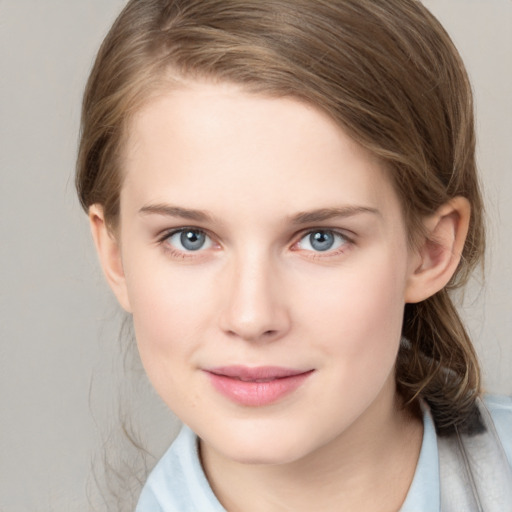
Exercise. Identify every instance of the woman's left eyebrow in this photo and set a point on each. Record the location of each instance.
(324, 214)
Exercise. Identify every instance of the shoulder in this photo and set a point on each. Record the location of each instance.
(500, 408)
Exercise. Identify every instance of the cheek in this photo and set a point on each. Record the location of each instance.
(359, 312)
(169, 307)
(165, 318)
(358, 329)
(166, 312)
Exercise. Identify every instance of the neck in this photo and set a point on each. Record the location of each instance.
(370, 464)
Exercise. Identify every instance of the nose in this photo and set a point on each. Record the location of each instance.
(254, 306)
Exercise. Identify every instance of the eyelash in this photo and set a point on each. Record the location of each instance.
(184, 254)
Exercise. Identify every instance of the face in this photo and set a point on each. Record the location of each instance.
(265, 262)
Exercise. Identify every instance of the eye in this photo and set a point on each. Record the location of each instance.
(321, 241)
(189, 240)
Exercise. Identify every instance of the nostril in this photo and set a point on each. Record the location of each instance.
(265, 335)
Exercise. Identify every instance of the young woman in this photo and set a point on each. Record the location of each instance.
(282, 194)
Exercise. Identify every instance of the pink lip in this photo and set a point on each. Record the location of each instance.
(256, 386)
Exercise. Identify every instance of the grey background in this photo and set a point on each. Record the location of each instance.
(60, 354)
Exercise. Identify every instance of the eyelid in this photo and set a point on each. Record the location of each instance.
(166, 233)
(348, 235)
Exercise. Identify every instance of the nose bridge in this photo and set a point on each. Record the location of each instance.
(254, 308)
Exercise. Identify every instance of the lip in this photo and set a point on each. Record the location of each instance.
(256, 386)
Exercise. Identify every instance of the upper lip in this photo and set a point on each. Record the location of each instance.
(258, 373)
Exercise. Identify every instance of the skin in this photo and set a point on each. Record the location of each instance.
(258, 293)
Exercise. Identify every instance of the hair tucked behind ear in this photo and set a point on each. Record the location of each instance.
(385, 70)
(439, 362)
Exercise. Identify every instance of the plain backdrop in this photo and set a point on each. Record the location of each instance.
(59, 325)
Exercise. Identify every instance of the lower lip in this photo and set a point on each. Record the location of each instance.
(257, 394)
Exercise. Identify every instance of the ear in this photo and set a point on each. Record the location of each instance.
(436, 259)
(109, 253)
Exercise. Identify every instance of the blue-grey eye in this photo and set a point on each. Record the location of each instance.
(189, 240)
(322, 240)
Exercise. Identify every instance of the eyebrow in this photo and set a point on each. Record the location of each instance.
(324, 214)
(176, 211)
(319, 215)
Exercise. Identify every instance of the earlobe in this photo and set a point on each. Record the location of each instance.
(436, 259)
(109, 253)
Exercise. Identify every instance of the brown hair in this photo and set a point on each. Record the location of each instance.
(385, 70)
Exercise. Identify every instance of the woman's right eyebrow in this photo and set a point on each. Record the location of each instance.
(176, 211)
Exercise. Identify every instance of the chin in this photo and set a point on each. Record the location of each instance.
(263, 447)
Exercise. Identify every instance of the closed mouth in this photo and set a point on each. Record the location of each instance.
(256, 386)
(256, 374)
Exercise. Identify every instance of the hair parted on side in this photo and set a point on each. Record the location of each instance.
(384, 70)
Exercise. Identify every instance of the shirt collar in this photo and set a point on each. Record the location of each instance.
(424, 492)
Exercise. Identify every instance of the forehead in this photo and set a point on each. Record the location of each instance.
(216, 145)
